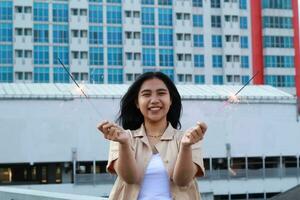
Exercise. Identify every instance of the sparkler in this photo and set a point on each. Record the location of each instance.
(80, 89)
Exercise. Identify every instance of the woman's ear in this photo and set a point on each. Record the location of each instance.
(137, 104)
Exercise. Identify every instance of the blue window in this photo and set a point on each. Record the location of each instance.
(6, 54)
(96, 56)
(148, 16)
(96, 35)
(215, 4)
(199, 79)
(217, 79)
(198, 41)
(60, 34)
(280, 80)
(60, 75)
(61, 52)
(114, 14)
(148, 57)
(243, 23)
(168, 72)
(148, 2)
(41, 55)
(166, 57)
(279, 61)
(217, 61)
(216, 40)
(148, 36)
(6, 10)
(216, 21)
(244, 61)
(5, 32)
(6, 74)
(115, 56)
(243, 4)
(41, 33)
(114, 35)
(113, 1)
(197, 20)
(245, 79)
(165, 2)
(95, 14)
(198, 60)
(197, 3)
(60, 12)
(278, 41)
(40, 11)
(115, 76)
(165, 17)
(277, 22)
(277, 4)
(41, 75)
(165, 37)
(97, 1)
(244, 42)
(96, 75)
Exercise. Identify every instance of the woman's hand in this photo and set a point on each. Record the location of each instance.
(113, 132)
(194, 135)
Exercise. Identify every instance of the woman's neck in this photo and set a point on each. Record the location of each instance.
(156, 128)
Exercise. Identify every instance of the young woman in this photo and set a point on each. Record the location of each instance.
(152, 158)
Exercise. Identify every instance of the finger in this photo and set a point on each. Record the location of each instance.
(197, 136)
(100, 125)
(199, 131)
(203, 126)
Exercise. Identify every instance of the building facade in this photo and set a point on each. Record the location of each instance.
(113, 41)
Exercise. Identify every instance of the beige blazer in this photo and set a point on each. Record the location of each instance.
(168, 148)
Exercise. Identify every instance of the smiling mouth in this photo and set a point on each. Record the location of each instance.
(154, 108)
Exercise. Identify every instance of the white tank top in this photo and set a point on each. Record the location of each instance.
(156, 183)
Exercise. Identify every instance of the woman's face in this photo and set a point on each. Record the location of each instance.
(154, 100)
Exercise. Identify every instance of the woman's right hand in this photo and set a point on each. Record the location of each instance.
(113, 132)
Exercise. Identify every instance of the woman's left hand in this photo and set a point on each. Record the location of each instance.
(194, 135)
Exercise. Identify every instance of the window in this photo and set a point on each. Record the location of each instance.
(169, 73)
(277, 22)
(197, 3)
(197, 20)
(6, 73)
(165, 2)
(278, 41)
(165, 17)
(216, 21)
(115, 56)
(215, 3)
(198, 41)
(96, 35)
(243, 4)
(217, 79)
(148, 57)
(243, 23)
(165, 37)
(148, 2)
(96, 75)
(198, 60)
(114, 14)
(41, 55)
(280, 80)
(148, 36)
(217, 61)
(216, 41)
(62, 53)
(277, 4)
(148, 16)
(166, 57)
(279, 61)
(96, 56)
(60, 34)
(199, 79)
(5, 32)
(41, 74)
(244, 62)
(60, 75)
(114, 35)
(244, 42)
(41, 33)
(40, 11)
(60, 12)
(95, 13)
(245, 79)
(6, 10)
(115, 76)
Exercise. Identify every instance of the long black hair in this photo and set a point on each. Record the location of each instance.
(130, 117)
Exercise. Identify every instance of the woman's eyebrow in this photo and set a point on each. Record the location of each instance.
(158, 90)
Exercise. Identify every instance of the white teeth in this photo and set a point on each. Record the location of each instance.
(154, 108)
